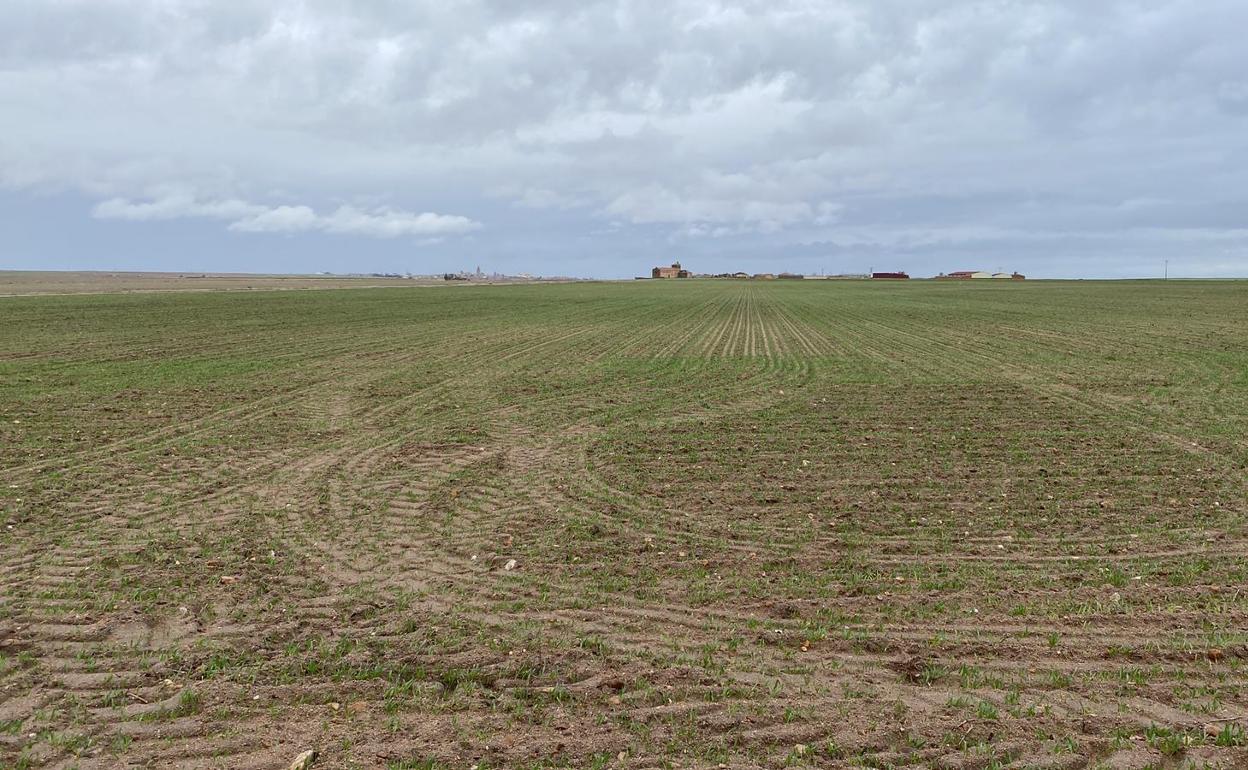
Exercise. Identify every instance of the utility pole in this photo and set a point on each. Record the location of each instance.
(1165, 273)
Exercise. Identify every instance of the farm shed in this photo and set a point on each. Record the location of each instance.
(898, 276)
(675, 271)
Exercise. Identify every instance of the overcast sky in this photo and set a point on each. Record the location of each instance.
(1079, 138)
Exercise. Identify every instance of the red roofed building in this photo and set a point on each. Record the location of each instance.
(675, 271)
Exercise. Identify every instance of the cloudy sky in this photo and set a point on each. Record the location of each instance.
(600, 137)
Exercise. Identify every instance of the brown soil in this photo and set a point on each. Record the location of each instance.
(555, 551)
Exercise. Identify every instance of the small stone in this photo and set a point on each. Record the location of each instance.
(801, 749)
(510, 565)
(304, 760)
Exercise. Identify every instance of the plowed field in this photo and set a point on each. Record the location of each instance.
(650, 524)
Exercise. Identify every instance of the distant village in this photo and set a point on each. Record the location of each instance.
(676, 271)
(475, 276)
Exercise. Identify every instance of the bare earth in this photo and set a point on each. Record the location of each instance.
(635, 525)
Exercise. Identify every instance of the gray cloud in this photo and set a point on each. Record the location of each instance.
(892, 125)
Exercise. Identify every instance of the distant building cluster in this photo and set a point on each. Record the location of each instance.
(676, 271)
(478, 276)
(955, 275)
(969, 274)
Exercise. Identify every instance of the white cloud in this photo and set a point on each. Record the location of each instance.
(389, 223)
(247, 217)
(174, 207)
(281, 219)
